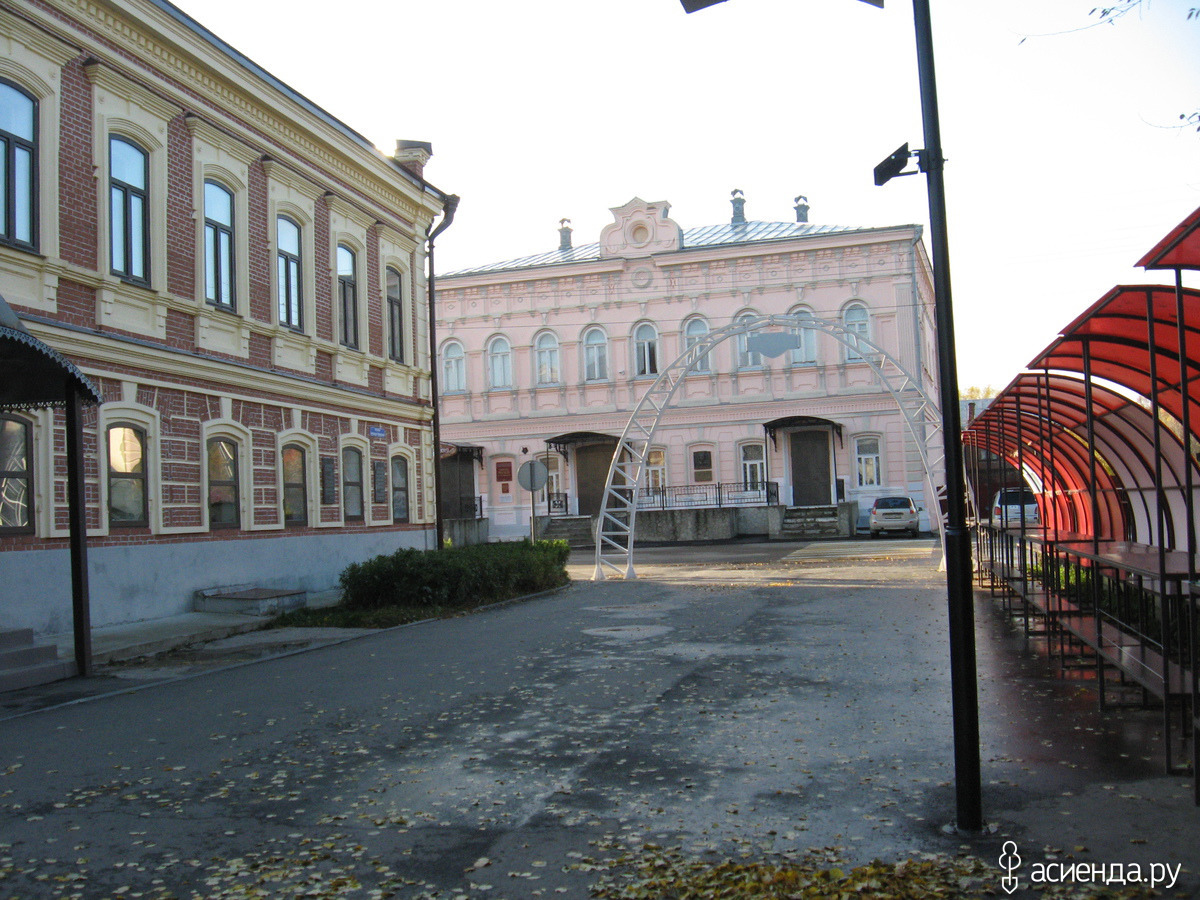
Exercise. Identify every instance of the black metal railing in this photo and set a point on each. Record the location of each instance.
(692, 496)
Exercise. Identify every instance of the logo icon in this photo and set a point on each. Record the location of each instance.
(1009, 861)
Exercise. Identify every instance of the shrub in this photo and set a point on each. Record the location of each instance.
(455, 576)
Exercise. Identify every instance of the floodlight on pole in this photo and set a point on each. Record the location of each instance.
(960, 594)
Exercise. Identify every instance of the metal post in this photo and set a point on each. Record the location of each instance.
(77, 516)
(960, 596)
(450, 205)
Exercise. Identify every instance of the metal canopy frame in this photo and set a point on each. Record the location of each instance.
(34, 376)
(616, 527)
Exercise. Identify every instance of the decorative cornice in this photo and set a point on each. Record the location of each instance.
(214, 137)
(277, 171)
(103, 75)
(58, 52)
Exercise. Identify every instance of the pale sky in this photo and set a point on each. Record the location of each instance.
(1064, 160)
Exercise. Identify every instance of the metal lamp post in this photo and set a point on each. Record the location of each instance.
(959, 594)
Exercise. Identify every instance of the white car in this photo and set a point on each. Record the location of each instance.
(1014, 506)
(894, 514)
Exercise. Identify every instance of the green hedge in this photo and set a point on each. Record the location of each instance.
(455, 576)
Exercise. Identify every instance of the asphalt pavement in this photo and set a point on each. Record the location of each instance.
(769, 699)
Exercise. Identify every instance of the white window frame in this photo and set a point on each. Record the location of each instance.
(595, 355)
(695, 330)
(860, 325)
(454, 368)
(645, 350)
(873, 462)
(547, 370)
(499, 364)
(805, 354)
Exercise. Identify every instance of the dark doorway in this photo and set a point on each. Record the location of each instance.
(810, 468)
(591, 471)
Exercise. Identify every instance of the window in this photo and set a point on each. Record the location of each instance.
(656, 471)
(218, 245)
(129, 209)
(693, 332)
(645, 350)
(454, 367)
(399, 489)
(295, 486)
(352, 485)
(127, 477)
(866, 452)
(858, 323)
(16, 495)
(747, 358)
(702, 466)
(595, 355)
(347, 296)
(288, 273)
(18, 166)
(224, 496)
(754, 466)
(499, 363)
(806, 351)
(395, 314)
(546, 350)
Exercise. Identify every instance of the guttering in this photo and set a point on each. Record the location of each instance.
(448, 210)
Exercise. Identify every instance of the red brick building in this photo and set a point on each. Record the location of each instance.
(242, 277)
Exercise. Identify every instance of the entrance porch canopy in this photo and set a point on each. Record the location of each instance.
(560, 443)
(33, 376)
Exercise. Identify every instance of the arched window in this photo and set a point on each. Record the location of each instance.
(288, 264)
(595, 355)
(129, 209)
(347, 296)
(754, 466)
(18, 166)
(352, 484)
(454, 367)
(806, 351)
(546, 350)
(395, 314)
(747, 358)
(499, 363)
(656, 471)
(695, 331)
(645, 350)
(702, 465)
(867, 459)
(295, 486)
(858, 322)
(16, 477)
(127, 503)
(218, 245)
(224, 489)
(400, 512)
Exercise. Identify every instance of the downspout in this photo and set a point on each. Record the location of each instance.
(448, 209)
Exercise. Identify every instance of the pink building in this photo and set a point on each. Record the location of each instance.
(546, 357)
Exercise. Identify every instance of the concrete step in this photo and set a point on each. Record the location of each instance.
(15, 637)
(575, 530)
(25, 663)
(248, 600)
(31, 676)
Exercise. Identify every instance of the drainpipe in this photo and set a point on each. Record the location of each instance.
(448, 210)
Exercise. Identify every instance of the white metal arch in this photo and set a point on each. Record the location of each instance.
(615, 528)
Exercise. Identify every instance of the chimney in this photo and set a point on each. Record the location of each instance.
(413, 155)
(801, 209)
(739, 207)
(564, 234)
(970, 412)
